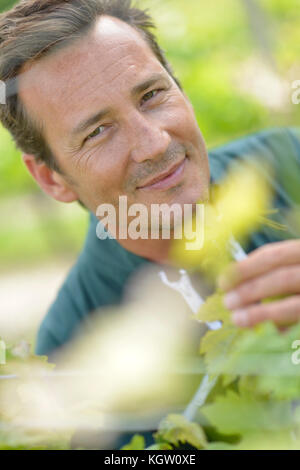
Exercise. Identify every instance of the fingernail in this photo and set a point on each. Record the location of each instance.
(232, 300)
(240, 317)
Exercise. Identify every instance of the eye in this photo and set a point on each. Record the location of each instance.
(96, 132)
(151, 94)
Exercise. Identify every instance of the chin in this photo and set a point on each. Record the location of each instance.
(194, 195)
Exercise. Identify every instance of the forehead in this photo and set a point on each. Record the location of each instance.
(102, 64)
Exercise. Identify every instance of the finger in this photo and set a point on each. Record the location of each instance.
(261, 261)
(283, 313)
(282, 281)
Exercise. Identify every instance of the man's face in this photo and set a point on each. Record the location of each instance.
(115, 121)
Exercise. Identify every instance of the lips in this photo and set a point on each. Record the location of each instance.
(162, 176)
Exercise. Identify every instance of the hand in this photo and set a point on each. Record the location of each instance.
(271, 270)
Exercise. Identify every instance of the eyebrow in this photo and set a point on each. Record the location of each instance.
(95, 118)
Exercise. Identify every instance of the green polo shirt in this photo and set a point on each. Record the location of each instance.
(99, 275)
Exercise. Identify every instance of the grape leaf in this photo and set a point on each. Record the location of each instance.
(160, 446)
(214, 310)
(175, 429)
(137, 443)
(260, 441)
(242, 414)
(267, 353)
(215, 345)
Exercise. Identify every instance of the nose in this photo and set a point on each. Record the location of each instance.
(147, 139)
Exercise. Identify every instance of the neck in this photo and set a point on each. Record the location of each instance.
(153, 250)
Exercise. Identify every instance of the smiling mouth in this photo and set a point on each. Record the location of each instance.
(168, 178)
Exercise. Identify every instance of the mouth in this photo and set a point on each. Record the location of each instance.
(168, 179)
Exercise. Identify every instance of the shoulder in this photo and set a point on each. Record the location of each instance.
(275, 146)
(279, 148)
(66, 312)
(96, 280)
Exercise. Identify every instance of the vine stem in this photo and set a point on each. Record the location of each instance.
(199, 398)
(207, 383)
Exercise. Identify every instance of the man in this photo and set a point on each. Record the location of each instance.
(98, 114)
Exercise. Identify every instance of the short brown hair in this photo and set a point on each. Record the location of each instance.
(36, 28)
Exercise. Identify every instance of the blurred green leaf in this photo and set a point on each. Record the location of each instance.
(136, 443)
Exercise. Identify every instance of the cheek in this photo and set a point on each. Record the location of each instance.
(182, 118)
(104, 172)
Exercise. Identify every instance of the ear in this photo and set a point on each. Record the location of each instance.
(49, 180)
